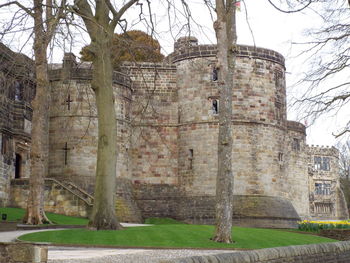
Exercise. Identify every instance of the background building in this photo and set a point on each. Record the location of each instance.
(16, 92)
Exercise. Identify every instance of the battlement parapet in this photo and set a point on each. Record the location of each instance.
(71, 69)
(85, 73)
(188, 48)
(185, 43)
(322, 150)
(296, 126)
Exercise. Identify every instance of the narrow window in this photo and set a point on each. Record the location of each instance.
(326, 164)
(280, 157)
(327, 189)
(318, 188)
(4, 145)
(66, 149)
(190, 158)
(18, 91)
(6, 149)
(318, 162)
(296, 144)
(214, 75)
(215, 106)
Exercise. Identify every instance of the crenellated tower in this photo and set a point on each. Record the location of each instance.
(167, 136)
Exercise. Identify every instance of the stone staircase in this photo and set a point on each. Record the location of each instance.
(79, 192)
(66, 198)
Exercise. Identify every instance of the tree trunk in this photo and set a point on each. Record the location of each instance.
(104, 216)
(101, 30)
(40, 126)
(225, 34)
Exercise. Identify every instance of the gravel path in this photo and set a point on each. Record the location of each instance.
(100, 255)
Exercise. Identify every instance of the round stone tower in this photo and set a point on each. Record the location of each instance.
(73, 123)
(260, 133)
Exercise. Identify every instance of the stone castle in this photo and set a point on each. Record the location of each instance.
(167, 128)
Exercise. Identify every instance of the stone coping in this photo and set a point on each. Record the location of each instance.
(325, 252)
(243, 51)
(86, 74)
(296, 126)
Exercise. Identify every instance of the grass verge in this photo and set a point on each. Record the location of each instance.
(175, 236)
(162, 221)
(16, 214)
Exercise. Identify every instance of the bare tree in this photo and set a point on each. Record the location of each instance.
(344, 159)
(46, 16)
(225, 29)
(325, 85)
(100, 28)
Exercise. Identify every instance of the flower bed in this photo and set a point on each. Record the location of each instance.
(316, 226)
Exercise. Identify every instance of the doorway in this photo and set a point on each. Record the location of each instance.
(18, 164)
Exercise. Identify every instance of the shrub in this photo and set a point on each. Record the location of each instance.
(316, 226)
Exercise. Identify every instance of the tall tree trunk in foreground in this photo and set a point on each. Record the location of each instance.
(40, 139)
(43, 31)
(101, 30)
(104, 205)
(225, 29)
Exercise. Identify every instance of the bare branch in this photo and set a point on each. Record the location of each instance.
(337, 135)
(27, 10)
(290, 11)
(53, 21)
(117, 16)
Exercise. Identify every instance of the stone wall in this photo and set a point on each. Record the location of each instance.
(58, 198)
(154, 148)
(73, 124)
(68, 199)
(126, 207)
(295, 185)
(22, 253)
(16, 92)
(158, 200)
(326, 253)
(5, 175)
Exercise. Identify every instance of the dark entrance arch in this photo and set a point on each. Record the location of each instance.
(18, 166)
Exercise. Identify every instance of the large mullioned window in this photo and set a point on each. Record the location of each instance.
(322, 163)
(322, 188)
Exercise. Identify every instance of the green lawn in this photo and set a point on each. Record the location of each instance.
(162, 221)
(16, 214)
(166, 232)
(176, 236)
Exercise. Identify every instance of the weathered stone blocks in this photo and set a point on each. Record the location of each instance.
(22, 253)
